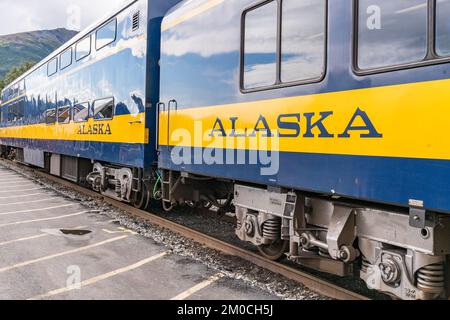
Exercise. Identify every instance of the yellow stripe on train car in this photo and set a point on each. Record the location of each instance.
(121, 129)
(408, 120)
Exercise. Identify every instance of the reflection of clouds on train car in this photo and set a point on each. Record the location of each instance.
(302, 43)
(138, 102)
(260, 43)
(388, 27)
(302, 39)
(208, 59)
(137, 46)
(186, 38)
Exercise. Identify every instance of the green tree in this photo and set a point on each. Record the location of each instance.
(14, 73)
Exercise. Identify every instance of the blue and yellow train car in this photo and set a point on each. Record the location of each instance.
(320, 124)
(90, 105)
(328, 120)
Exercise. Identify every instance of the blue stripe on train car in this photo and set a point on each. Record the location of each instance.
(118, 153)
(394, 180)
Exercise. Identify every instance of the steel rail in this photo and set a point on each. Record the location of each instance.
(312, 282)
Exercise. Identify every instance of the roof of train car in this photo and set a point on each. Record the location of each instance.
(78, 37)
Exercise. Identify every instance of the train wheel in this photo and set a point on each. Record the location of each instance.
(143, 198)
(274, 251)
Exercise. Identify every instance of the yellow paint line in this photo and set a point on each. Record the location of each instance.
(25, 184)
(120, 230)
(57, 255)
(22, 196)
(9, 191)
(44, 219)
(26, 202)
(102, 277)
(23, 239)
(186, 294)
(31, 237)
(39, 209)
(15, 180)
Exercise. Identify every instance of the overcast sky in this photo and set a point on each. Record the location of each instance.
(29, 15)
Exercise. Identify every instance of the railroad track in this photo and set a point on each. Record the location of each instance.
(314, 283)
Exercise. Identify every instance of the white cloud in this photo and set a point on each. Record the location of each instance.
(30, 15)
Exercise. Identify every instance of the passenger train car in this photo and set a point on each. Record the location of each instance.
(88, 101)
(320, 124)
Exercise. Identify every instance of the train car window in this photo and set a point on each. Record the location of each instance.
(65, 59)
(83, 48)
(104, 109)
(16, 90)
(64, 114)
(50, 116)
(302, 39)
(391, 33)
(260, 46)
(52, 67)
(443, 28)
(20, 110)
(106, 34)
(16, 111)
(4, 115)
(11, 113)
(81, 112)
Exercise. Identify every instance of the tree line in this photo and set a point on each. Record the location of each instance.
(14, 73)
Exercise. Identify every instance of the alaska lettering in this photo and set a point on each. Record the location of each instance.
(291, 126)
(95, 129)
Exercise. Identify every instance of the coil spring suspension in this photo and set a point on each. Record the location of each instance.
(272, 229)
(238, 224)
(118, 187)
(431, 278)
(365, 265)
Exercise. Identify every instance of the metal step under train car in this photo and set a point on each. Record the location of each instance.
(320, 124)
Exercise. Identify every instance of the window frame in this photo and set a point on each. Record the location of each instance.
(71, 58)
(88, 108)
(113, 112)
(431, 58)
(90, 47)
(48, 66)
(70, 114)
(56, 117)
(100, 28)
(278, 83)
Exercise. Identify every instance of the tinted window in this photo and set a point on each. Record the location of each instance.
(83, 48)
(302, 39)
(66, 58)
(260, 46)
(16, 111)
(22, 87)
(20, 110)
(16, 90)
(64, 114)
(81, 112)
(391, 32)
(52, 67)
(11, 113)
(104, 109)
(4, 115)
(50, 116)
(106, 35)
(443, 28)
